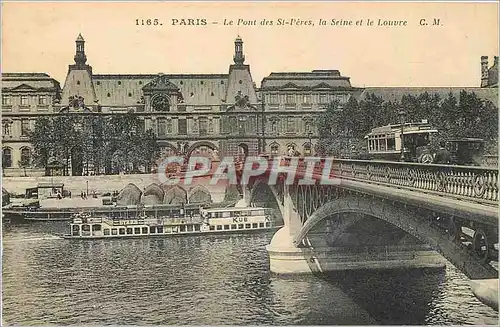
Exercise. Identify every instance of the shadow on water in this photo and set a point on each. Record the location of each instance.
(401, 296)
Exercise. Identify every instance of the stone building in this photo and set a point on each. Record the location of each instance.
(25, 96)
(489, 76)
(221, 114)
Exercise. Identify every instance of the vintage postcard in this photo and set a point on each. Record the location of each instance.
(249, 163)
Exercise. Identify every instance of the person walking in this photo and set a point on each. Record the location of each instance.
(442, 156)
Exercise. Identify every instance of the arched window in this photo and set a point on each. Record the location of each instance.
(7, 157)
(275, 148)
(274, 126)
(307, 148)
(161, 103)
(25, 157)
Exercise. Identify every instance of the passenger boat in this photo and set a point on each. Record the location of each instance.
(174, 221)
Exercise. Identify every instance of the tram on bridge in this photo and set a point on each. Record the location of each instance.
(412, 142)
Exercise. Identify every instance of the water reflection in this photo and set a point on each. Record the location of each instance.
(208, 280)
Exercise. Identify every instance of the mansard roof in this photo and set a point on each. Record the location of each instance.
(126, 89)
(316, 79)
(32, 82)
(160, 83)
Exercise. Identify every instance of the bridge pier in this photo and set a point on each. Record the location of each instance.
(286, 258)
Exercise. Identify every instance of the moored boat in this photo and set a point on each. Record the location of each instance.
(179, 221)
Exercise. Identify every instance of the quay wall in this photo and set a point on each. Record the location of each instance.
(107, 183)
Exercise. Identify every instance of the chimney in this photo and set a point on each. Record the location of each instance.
(484, 71)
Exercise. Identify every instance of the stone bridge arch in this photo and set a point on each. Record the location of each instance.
(418, 223)
(200, 144)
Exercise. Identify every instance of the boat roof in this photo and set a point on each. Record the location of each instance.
(234, 209)
(47, 185)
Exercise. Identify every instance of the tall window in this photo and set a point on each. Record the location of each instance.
(161, 127)
(169, 126)
(5, 100)
(6, 128)
(290, 99)
(25, 127)
(24, 100)
(42, 100)
(274, 126)
(273, 98)
(323, 98)
(203, 125)
(182, 126)
(306, 99)
(307, 127)
(290, 124)
(25, 157)
(7, 157)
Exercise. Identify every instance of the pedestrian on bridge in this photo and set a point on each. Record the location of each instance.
(442, 156)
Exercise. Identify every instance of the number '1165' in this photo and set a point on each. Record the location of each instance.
(147, 22)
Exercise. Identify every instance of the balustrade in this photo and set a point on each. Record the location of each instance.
(479, 184)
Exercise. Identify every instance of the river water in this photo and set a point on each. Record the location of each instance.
(209, 280)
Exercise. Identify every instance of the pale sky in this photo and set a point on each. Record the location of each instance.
(39, 37)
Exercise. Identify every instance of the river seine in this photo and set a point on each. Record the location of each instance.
(209, 280)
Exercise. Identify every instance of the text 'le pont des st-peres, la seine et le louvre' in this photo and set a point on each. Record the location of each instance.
(292, 22)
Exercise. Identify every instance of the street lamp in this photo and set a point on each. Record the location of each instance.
(402, 115)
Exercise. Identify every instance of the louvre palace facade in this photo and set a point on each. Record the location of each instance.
(192, 113)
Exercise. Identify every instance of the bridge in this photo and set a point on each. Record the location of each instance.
(381, 214)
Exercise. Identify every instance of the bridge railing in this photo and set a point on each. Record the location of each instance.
(478, 184)
(465, 182)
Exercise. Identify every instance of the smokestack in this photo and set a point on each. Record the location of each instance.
(484, 71)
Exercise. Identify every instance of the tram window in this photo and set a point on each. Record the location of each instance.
(137, 230)
(226, 227)
(261, 225)
(144, 230)
(183, 228)
(106, 231)
(197, 228)
(240, 226)
(391, 144)
(96, 228)
(114, 231)
(121, 231)
(152, 229)
(233, 226)
(219, 227)
(254, 225)
(189, 228)
(129, 231)
(212, 227)
(76, 228)
(159, 229)
(381, 144)
(247, 225)
(268, 224)
(86, 228)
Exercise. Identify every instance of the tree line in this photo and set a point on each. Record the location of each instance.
(94, 143)
(342, 128)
